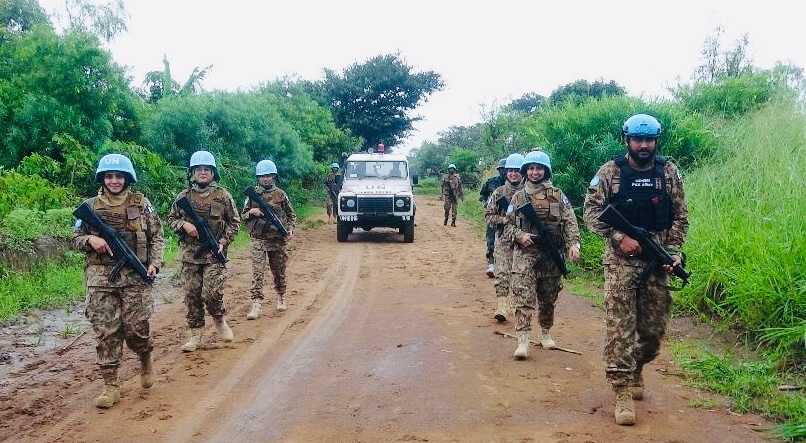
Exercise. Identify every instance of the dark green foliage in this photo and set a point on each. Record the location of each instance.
(728, 97)
(31, 192)
(528, 103)
(581, 90)
(21, 15)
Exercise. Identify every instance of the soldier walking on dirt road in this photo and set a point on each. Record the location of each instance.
(648, 191)
(332, 184)
(486, 191)
(266, 241)
(119, 307)
(495, 213)
(452, 193)
(203, 270)
(536, 277)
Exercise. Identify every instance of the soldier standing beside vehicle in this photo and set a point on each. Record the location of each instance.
(495, 213)
(202, 274)
(266, 241)
(120, 310)
(648, 191)
(332, 184)
(451, 193)
(536, 278)
(487, 189)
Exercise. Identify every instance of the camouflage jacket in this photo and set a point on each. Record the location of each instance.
(277, 199)
(452, 188)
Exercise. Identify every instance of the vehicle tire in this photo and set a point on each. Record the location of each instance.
(408, 231)
(343, 229)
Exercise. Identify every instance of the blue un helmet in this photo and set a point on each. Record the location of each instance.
(334, 166)
(452, 166)
(641, 125)
(536, 158)
(502, 163)
(115, 162)
(514, 161)
(265, 167)
(203, 158)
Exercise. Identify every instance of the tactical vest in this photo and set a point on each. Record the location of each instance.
(642, 196)
(260, 227)
(212, 208)
(127, 220)
(548, 206)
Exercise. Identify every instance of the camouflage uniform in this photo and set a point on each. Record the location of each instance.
(452, 193)
(496, 219)
(535, 276)
(332, 188)
(490, 185)
(202, 275)
(637, 311)
(120, 311)
(266, 242)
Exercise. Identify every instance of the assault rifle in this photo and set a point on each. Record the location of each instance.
(546, 238)
(268, 214)
(205, 236)
(650, 248)
(501, 203)
(118, 246)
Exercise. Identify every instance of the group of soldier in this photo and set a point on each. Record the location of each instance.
(532, 229)
(119, 301)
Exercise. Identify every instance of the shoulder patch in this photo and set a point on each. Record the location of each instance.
(77, 224)
(595, 181)
(565, 200)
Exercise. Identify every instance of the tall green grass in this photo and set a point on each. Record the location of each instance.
(50, 284)
(748, 218)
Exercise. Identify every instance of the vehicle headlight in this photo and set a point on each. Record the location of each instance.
(399, 203)
(350, 203)
(403, 203)
(347, 204)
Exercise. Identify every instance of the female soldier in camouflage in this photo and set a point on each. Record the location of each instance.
(265, 239)
(535, 276)
(202, 273)
(120, 310)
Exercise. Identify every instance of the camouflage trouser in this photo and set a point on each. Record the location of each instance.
(276, 253)
(636, 320)
(118, 315)
(503, 266)
(203, 285)
(491, 233)
(331, 205)
(451, 208)
(532, 287)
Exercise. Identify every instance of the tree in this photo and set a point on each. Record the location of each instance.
(105, 21)
(21, 15)
(529, 103)
(718, 64)
(154, 85)
(373, 99)
(580, 90)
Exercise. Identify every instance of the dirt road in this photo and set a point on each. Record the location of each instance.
(382, 342)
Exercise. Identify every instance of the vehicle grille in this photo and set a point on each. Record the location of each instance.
(375, 205)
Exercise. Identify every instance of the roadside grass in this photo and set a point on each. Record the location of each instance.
(48, 285)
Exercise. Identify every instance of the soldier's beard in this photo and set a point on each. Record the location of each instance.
(642, 161)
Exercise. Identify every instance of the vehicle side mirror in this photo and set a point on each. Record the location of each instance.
(415, 179)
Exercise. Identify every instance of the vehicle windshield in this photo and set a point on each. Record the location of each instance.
(376, 169)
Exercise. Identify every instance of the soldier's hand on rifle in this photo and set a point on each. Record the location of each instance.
(255, 212)
(220, 248)
(526, 240)
(573, 252)
(629, 246)
(152, 270)
(287, 238)
(678, 261)
(99, 245)
(190, 229)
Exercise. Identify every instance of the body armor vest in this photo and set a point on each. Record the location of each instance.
(127, 219)
(642, 196)
(260, 227)
(212, 208)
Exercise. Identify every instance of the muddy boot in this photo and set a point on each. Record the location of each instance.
(195, 341)
(501, 311)
(281, 302)
(637, 385)
(625, 408)
(111, 391)
(146, 370)
(490, 270)
(224, 332)
(545, 339)
(453, 222)
(257, 309)
(522, 351)
(445, 223)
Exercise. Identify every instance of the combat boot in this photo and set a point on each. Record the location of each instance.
(281, 302)
(257, 309)
(501, 311)
(490, 270)
(111, 390)
(146, 370)
(195, 341)
(522, 351)
(637, 385)
(445, 223)
(224, 332)
(453, 222)
(625, 408)
(545, 339)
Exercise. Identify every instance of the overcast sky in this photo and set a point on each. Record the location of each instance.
(488, 52)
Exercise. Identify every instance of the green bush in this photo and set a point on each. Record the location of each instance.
(31, 192)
